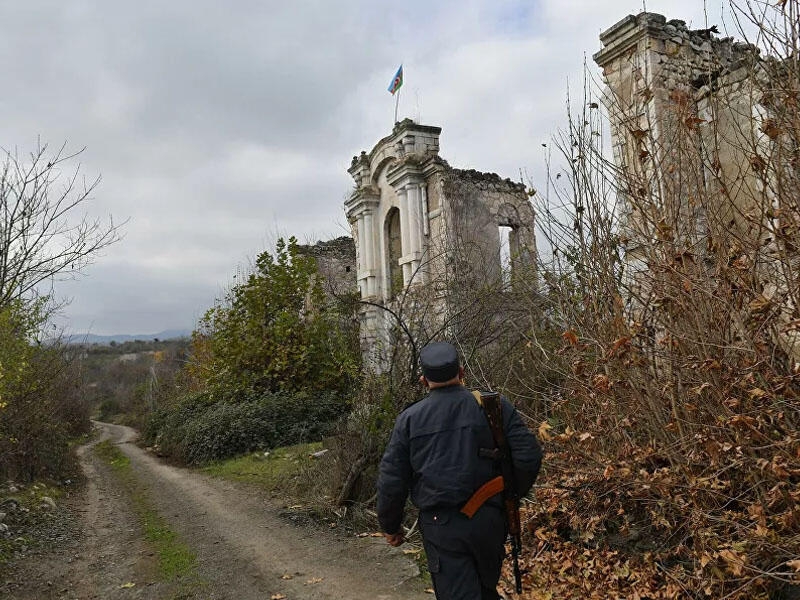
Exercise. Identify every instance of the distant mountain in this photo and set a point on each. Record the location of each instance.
(91, 338)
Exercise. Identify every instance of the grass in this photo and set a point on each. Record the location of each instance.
(113, 456)
(10, 547)
(291, 473)
(175, 559)
(279, 470)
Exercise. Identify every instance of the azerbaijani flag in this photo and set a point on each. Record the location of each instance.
(397, 81)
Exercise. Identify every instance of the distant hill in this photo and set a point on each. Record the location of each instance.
(90, 338)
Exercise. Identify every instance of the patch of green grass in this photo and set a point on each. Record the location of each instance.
(175, 559)
(36, 491)
(6, 550)
(82, 439)
(112, 456)
(422, 563)
(275, 470)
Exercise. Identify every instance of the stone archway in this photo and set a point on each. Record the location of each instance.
(394, 252)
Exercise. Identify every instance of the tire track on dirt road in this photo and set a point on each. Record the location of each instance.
(246, 550)
(105, 551)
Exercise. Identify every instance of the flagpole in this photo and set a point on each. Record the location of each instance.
(397, 83)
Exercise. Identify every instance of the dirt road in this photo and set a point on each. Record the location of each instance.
(245, 549)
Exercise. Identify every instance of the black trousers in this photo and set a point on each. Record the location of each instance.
(464, 555)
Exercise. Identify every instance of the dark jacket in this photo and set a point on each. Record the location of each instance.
(434, 454)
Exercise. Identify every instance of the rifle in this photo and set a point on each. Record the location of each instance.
(493, 409)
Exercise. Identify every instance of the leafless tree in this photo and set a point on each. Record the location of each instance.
(43, 236)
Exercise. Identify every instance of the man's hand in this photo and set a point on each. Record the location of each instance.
(395, 539)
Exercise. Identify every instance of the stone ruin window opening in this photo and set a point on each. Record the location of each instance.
(394, 252)
(506, 234)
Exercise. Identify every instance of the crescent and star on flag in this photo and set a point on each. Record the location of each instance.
(397, 81)
(394, 87)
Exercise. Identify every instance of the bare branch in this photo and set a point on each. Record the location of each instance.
(43, 236)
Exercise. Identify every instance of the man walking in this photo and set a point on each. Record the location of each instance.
(441, 452)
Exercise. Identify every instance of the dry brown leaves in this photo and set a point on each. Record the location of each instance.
(713, 514)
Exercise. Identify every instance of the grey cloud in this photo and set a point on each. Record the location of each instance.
(219, 125)
(134, 298)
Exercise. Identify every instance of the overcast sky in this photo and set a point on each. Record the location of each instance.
(218, 125)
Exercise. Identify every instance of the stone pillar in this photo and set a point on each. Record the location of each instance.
(414, 197)
(361, 249)
(405, 244)
(383, 285)
(405, 232)
(369, 254)
(425, 224)
(361, 239)
(414, 218)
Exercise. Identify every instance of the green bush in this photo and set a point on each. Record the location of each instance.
(40, 407)
(109, 408)
(202, 428)
(278, 331)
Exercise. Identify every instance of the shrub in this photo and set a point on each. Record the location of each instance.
(200, 428)
(672, 467)
(277, 331)
(40, 409)
(108, 409)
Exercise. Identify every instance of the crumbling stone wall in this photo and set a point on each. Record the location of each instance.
(478, 204)
(507, 204)
(669, 89)
(405, 191)
(689, 125)
(336, 263)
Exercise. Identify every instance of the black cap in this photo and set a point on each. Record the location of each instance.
(439, 362)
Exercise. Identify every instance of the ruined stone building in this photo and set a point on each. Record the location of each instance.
(698, 126)
(695, 128)
(673, 93)
(421, 227)
(336, 264)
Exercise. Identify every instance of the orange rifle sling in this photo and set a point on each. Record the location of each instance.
(486, 491)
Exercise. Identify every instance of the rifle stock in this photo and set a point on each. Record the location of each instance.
(494, 415)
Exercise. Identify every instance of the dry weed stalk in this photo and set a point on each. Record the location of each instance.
(672, 277)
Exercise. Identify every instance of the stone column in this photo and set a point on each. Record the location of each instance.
(361, 239)
(405, 233)
(369, 253)
(404, 221)
(414, 220)
(360, 247)
(415, 226)
(425, 225)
